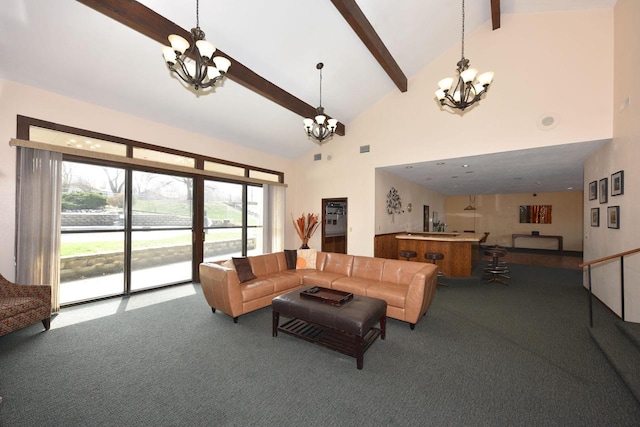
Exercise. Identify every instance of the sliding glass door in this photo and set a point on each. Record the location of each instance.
(162, 229)
(130, 211)
(93, 239)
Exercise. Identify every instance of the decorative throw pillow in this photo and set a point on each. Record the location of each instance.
(291, 256)
(306, 259)
(245, 273)
(229, 264)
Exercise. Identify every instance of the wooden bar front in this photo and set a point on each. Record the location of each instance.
(460, 252)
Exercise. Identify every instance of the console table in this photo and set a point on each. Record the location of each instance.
(537, 236)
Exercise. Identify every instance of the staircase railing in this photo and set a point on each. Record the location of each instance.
(620, 255)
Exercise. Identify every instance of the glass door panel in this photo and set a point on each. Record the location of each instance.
(92, 226)
(160, 257)
(162, 224)
(91, 266)
(254, 220)
(222, 220)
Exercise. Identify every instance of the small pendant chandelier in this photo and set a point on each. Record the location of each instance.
(466, 92)
(197, 72)
(320, 128)
(472, 204)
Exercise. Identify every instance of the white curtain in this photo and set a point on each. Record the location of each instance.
(38, 219)
(273, 218)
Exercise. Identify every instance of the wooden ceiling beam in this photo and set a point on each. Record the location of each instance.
(495, 14)
(363, 28)
(140, 18)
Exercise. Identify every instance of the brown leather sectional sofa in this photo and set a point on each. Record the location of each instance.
(407, 287)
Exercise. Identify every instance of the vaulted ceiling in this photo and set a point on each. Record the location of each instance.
(109, 53)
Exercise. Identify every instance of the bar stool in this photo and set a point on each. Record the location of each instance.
(433, 256)
(408, 254)
(496, 270)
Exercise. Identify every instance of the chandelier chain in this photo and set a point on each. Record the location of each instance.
(198, 13)
(320, 87)
(462, 29)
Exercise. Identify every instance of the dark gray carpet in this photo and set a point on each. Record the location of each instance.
(485, 354)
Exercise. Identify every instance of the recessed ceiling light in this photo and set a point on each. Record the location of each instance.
(455, 176)
(469, 172)
(408, 167)
(569, 188)
(439, 163)
(465, 166)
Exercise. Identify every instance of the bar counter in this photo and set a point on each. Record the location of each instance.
(460, 250)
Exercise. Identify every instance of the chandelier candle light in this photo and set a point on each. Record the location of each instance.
(466, 92)
(197, 72)
(305, 226)
(320, 128)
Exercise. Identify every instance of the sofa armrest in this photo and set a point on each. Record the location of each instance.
(40, 292)
(421, 291)
(221, 288)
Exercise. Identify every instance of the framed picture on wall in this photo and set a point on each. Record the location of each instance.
(593, 190)
(613, 217)
(595, 217)
(617, 183)
(604, 184)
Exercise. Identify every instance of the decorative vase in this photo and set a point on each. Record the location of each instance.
(304, 244)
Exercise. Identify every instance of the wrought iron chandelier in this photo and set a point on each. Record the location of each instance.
(320, 128)
(191, 62)
(466, 92)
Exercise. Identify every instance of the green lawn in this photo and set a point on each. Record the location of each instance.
(217, 210)
(85, 248)
(98, 246)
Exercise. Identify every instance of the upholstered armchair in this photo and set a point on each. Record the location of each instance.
(23, 305)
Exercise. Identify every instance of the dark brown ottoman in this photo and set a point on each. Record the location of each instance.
(347, 328)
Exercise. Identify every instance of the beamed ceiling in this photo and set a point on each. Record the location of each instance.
(108, 52)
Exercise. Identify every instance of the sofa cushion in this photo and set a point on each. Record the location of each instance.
(393, 293)
(356, 285)
(400, 272)
(367, 268)
(338, 263)
(229, 264)
(265, 264)
(283, 281)
(320, 278)
(257, 288)
(306, 259)
(243, 267)
(292, 256)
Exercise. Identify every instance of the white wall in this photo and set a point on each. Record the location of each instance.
(623, 153)
(17, 99)
(410, 193)
(556, 62)
(498, 214)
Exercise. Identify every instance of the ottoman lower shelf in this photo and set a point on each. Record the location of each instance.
(345, 343)
(348, 328)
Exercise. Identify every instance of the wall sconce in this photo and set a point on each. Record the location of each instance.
(409, 207)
